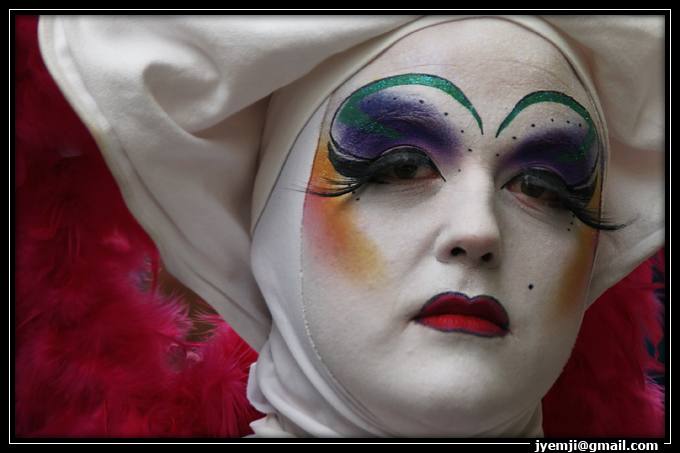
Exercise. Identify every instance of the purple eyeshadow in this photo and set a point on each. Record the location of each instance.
(543, 149)
(411, 119)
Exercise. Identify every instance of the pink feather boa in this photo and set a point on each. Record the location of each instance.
(606, 388)
(99, 352)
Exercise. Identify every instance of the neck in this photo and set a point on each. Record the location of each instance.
(528, 424)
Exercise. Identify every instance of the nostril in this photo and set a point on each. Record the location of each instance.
(457, 251)
(487, 257)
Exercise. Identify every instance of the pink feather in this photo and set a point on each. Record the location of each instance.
(606, 389)
(97, 352)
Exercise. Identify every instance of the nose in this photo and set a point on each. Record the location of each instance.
(469, 232)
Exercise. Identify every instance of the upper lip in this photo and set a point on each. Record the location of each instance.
(484, 307)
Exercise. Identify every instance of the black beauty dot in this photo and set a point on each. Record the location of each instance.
(552, 120)
(533, 125)
(446, 113)
(462, 131)
(422, 102)
(579, 124)
(514, 138)
(496, 154)
(470, 149)
(531, 286)
(358, 199)
(568, 122)
(394, 98)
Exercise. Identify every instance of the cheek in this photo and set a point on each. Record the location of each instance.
(331, 232)
(576, 277)
(573, 285)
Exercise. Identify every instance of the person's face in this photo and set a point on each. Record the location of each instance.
(445, 289)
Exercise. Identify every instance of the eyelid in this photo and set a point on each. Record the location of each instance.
(406, 155)
(542, 177)
(552, 182)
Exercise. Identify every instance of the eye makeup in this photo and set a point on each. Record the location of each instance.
(559, 98)
(387, 124)
(405, 119)
(562, 155)
(352, 114)
(393, 125)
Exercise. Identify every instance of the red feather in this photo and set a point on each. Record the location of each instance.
(98, 351)
(609, 386)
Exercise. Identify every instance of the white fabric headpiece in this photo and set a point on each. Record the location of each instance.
(196, 117)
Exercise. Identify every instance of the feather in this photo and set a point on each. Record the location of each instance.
(99, 350)
(611, 386)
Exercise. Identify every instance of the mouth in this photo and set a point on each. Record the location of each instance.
(483, 316)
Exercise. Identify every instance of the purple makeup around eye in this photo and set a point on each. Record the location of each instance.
(544, 148)
(408, 120)
(400, 111)
(566, 144)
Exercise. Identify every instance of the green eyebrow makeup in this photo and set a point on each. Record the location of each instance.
(559, 98)
(351, 115)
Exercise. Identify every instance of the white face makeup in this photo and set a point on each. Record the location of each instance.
(444, 280)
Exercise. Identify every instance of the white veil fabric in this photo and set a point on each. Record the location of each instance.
(196, 117)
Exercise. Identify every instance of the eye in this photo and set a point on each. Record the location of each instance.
(535, 186)
(405, 171)
(406, 163)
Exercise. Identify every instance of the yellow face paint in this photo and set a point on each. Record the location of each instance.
(332, 229)
(576, 277)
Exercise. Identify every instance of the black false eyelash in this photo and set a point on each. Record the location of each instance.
(357, 171)
(573, 199)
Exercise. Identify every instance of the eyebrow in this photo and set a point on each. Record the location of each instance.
(351, 115)
(559, 98)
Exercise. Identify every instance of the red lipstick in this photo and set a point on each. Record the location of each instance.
(456, 312)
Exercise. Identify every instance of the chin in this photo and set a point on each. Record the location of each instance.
(463, 397)
(442, 414)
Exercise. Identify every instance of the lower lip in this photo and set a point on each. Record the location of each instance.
(465, 324)
(455, 312)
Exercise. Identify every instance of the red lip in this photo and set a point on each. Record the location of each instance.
(456, 312)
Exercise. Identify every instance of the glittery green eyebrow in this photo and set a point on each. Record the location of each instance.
(560, 98)
(351, 115)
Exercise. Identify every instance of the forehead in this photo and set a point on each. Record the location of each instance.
(493, 61)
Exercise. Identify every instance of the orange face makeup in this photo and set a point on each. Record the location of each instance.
(576, 276)
(333, 231)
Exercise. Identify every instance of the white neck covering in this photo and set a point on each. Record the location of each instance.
(289, 378)
(178, 107)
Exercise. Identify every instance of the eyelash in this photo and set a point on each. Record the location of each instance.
(358, 172)
(568, 198)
